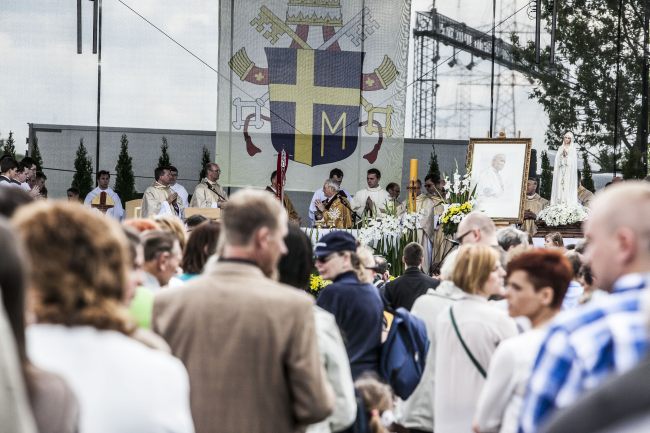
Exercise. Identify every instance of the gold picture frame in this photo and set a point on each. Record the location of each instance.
(499, 170)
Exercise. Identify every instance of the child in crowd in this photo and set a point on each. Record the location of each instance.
(378, 402)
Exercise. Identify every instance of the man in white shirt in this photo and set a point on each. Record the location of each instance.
(104, 199)
(177, 187)
(372, 199)
(336, 175)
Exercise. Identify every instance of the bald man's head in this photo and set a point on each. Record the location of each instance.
(618, 232)
(477, 228)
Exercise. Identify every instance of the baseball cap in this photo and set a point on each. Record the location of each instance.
(334, 242)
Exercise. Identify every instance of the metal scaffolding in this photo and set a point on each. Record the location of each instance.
(430, 29)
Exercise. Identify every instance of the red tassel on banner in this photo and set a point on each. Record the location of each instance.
(283, 162)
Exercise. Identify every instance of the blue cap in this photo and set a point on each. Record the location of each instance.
(334, 242)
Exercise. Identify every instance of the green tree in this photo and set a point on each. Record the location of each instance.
(546, 183)
(124, 178)
(205, 158)
(434, 168)
(587, 179)
(35, 154)
(9, 148)
(164, 161)
(83, 176)
(581, 95)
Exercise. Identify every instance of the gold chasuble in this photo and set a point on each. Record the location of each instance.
(534, 204)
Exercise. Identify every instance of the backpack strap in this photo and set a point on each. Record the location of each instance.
(462, 342)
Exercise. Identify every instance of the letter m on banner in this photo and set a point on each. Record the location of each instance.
(314, 103)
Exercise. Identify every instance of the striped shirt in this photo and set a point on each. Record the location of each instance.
(585, 346)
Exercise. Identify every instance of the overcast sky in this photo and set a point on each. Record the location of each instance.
(148, 82)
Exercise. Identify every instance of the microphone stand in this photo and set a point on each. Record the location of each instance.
(444, 256)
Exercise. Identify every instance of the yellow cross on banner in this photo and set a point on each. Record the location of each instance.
(305, 93)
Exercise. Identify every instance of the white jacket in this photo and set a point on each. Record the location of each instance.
(337, 368)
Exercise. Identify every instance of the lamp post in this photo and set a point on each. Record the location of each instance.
(97, 49)
(494, 19)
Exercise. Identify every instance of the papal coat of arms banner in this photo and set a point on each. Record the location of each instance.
(323, 80)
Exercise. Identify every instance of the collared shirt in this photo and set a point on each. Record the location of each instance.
(583, 347)
(7, 181)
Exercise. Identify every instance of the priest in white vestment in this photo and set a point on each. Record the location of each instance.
(178, 188)
(104, 199)
(371, 200)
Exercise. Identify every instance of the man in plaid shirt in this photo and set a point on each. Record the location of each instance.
(585, 346)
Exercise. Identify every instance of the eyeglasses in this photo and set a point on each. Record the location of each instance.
(215, 171)
(459, 239)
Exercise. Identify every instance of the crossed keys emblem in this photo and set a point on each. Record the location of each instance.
(272, 28)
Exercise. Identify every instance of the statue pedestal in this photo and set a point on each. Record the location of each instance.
(567, 231)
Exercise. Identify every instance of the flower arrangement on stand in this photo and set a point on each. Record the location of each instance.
(460, 200)
(388, 234)
(563, 215)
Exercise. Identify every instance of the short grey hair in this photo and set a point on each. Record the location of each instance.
(509, 237)
(329, 183)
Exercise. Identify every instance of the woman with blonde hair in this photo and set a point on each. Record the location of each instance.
(366, 267)
(467, 334)
(80, 264)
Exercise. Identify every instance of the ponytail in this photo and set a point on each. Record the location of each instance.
(374, 422)
(377, 398)
(357, 266)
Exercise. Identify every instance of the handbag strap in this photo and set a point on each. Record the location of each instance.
(462, 342)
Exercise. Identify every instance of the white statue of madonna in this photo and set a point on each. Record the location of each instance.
(565, 174)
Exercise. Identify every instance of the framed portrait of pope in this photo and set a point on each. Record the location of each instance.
(499, 171)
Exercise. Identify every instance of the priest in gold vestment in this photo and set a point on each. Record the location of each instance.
(533, 205)
(208, 193)
(335, 211)
(431, 205)
(159, 199)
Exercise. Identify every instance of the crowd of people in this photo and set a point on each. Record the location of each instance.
(163, 324)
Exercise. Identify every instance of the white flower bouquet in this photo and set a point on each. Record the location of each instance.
(388, 234)
(459, 201)
(562, 215)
